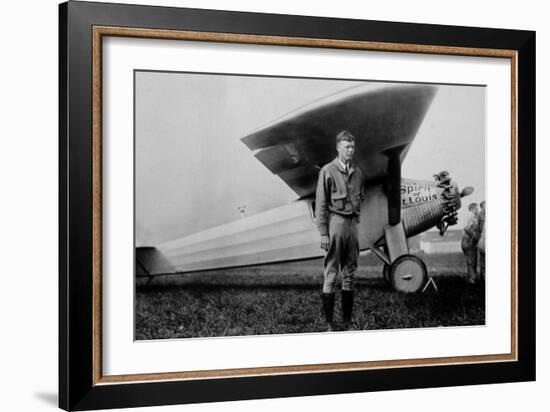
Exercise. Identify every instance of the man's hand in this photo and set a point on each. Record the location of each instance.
(324, 242)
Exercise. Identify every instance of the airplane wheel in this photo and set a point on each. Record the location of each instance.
(408, 274)
(386, 272)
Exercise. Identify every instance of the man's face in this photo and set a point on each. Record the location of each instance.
(345, 150)
(475, 210)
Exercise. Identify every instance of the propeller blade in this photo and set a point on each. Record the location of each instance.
(467, 191)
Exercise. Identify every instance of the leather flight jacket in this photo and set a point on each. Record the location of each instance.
(338, 191)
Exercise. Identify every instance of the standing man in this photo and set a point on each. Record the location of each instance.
(469, 242)
(481, 243)
(338, 202)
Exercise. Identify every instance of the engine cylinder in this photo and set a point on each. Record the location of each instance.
(421, 217)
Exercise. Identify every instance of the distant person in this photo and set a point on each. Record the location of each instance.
(470, 240)
(481, 243)
(338, 200)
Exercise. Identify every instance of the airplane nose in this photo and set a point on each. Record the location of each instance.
(451, 199)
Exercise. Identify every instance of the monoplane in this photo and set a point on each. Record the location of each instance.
(384, 120)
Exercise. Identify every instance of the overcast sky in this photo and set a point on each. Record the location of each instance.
(192, 170)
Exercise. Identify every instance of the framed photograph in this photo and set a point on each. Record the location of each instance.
(257, 206)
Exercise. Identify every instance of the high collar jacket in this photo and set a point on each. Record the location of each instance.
(338, 192)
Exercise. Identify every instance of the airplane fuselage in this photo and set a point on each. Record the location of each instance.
(289, 232)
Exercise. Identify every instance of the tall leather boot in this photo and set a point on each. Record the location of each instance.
(347, 308)
(328, 309)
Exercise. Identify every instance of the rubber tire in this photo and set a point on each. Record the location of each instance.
(413, 266)
(386, 273)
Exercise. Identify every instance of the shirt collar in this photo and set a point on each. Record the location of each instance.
(342, 164)
(342, 167)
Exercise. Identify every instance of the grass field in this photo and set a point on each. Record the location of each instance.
(285, 298)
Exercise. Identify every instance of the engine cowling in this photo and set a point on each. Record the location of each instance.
(425, 204)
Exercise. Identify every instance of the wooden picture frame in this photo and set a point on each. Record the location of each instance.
(82, 384)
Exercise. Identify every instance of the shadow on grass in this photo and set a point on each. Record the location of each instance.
(251, 284)
(224, 287)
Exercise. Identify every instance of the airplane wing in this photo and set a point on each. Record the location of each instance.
(381, 118)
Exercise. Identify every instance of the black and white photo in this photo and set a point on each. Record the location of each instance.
(273, 205)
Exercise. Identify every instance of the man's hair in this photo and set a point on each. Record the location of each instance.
(472, 206)
(482, 204)
(345, 135)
